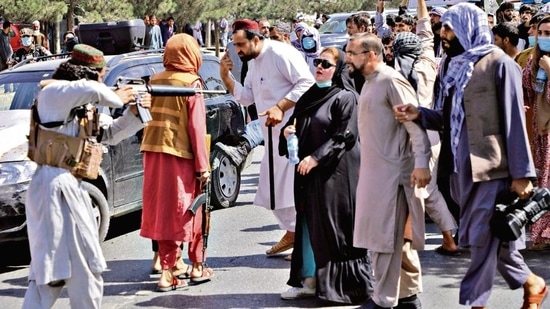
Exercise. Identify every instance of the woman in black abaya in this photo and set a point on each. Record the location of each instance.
(326, 264)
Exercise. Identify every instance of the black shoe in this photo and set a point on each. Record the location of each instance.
(370, 304)
(236, 154)
(411, 302)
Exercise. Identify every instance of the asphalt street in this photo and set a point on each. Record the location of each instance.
(244, 276)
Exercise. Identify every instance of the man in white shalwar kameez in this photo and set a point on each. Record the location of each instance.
(62, 229)
(277, 77)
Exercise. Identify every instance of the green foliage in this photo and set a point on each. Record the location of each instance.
(153, 7)
(102, 11)
(29, 10)
(182, 10)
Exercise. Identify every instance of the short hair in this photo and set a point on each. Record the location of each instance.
(369, 42)
(532, 9)
(506, 6)
(359, 19)
(405, 18)
(507, 30)
(281, 27)
(390, 20)
(6, 24)
(537, 18)
(388, 39)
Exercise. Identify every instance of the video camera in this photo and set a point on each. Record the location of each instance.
(141, 86)
(512, 214)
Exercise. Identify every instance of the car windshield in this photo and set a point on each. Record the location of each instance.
(334, 25)
(17, 90)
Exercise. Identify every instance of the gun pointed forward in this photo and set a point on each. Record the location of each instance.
(141, 86)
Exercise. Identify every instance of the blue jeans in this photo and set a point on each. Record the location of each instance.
(253, 133)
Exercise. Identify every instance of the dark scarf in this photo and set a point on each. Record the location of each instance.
(315, 96)
(407, 49)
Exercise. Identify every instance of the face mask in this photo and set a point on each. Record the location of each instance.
(308, 44)
(531, 40)
(26, 41)
(544, 44)
(324, 84)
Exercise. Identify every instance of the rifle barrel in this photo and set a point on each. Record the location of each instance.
(173, 91)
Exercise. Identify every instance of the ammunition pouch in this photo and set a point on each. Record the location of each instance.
(80, 155)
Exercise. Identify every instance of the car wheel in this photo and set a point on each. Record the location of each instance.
(225, 181)
(100, 209)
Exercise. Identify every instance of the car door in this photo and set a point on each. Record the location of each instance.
(126, 158)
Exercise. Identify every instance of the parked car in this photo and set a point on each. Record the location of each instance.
(118, 189)
(334, 31)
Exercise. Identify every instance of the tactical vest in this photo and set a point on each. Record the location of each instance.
(80, 155)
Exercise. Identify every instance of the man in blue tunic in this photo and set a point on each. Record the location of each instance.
(479, 111)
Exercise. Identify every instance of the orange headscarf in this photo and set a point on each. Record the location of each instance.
(182, 54)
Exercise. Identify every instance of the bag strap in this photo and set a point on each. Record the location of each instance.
(52, 124)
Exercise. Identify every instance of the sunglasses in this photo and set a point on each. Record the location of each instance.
(325, 64)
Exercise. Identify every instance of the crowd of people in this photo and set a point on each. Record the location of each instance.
(416, 114)
(34, 44)
(440, 60)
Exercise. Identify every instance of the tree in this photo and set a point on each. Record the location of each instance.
(29, 10)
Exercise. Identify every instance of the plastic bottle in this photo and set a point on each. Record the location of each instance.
(292, 145)
(540, 83)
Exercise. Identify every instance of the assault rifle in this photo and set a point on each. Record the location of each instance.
(141, 86)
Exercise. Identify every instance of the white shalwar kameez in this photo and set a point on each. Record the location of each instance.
(278, 72)
(63, 232)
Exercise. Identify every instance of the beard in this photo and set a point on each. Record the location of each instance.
(389, 60)
(355, 71)
(246, 57)
(454, 47)
(436, 27)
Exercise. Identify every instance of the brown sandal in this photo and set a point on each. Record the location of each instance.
(286, 243)
(176, 284)
(534, 299)
(207, 275)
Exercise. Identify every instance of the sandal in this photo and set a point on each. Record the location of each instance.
(183, 274)
(534, 299)
(207, 275)
(176, 284)
(286, 243)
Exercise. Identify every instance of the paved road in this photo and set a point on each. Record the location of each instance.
(244, 277)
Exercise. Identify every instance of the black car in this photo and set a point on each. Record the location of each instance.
(118, 189)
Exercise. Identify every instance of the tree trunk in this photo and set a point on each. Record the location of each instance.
(70, 15)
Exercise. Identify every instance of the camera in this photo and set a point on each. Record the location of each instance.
(512, 214)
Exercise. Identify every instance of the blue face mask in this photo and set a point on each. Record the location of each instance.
(531, 41)
(26, 41)
(544, 44)
(324, 84)
(308, 44)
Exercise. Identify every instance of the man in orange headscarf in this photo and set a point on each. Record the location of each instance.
(175, 156)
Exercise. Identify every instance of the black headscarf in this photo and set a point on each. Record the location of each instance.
(315, 96)
(407, 49)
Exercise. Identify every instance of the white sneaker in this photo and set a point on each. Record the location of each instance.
(295, 293)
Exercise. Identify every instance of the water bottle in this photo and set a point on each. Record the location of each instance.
(292, 145)
(540, 83)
